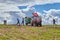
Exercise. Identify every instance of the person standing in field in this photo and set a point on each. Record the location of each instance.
(23, 21)
(5, 22)
(37, 19)
(54, 21)
(40, 21)
(26, 20)
(18, 23)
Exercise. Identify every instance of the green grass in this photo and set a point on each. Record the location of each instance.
(14, 32)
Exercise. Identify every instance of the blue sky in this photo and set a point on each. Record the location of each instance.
(41, 8)
(13, 9)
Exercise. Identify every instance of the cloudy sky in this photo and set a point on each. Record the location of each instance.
(12, 9)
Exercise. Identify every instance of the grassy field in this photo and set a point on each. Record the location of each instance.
(14, 32)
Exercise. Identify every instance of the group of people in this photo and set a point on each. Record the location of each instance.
(18, 21)
(34, 21)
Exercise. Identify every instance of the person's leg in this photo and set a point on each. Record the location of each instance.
(36, 24)
(18, 23)
(26, 23)
(32, 24)
(5, 22)
(40, 24)
(53, 23)
(23, 23)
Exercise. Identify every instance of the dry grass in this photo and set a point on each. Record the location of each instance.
(14, 32)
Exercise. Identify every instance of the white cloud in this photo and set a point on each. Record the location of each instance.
(4, 16)
(28, 2)
(28, 9)
(11, 5)
(52, 13)
(9, 13)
